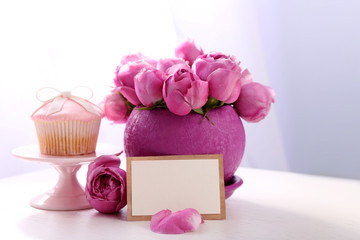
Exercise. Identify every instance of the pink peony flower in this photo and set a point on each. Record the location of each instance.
(188, 51)
(115, 108)
(148, 86)
(124, 79)
(183, 90)
(187, 220)
(255, 101)
(106, 184)
(136, 57)
(165, 63)
(223, 74)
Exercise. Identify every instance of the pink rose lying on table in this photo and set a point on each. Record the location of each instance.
(223, 74)
(188, 51)
(148, 86)
(115, 108)
(106, 184)
(255, 101)
(166, 222)
(183, 90)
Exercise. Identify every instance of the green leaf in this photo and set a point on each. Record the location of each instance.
(146, 108)
(199, 111)
(202, 113)
(159, 104)
(207, 117)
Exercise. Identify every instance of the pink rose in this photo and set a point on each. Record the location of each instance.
(223, 74)
(124, 79)
(106, 184)
(188, 51)
(115, 108)
(187, 220)
(148, 86)
(136, 57)
(255, 101)
(165, 63)
(183, 90)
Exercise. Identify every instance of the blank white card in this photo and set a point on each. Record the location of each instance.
(176, 183)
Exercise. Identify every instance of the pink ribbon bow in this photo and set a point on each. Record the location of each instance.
(57, 102)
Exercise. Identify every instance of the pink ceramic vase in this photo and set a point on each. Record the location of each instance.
(160, 132)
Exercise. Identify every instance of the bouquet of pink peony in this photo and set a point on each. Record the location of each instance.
(164, 103)
(192, 81)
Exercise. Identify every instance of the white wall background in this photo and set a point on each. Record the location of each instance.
(308, 51)
(64, 44)
(312, 51)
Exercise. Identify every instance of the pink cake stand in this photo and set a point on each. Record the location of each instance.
(67, 194)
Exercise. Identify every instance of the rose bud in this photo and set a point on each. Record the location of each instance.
(223, 74)
(124, 79)
(115, 108)
(148, 86)
(255, 101)
(188, 51)
(106, 184)
(187, 220)
(136, 57)
(165, 63)
(183, 90)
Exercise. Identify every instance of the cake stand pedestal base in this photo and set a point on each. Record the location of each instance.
(67, 194)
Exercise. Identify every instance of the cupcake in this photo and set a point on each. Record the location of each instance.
(67, 125)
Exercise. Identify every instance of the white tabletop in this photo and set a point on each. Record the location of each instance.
(269, 205)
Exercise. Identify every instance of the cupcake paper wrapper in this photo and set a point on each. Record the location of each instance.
(67, 137)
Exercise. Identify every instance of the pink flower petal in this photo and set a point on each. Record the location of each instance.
(105, 206)
(203, 67)
(104, 161)
(165, 63)
(137, 57)
(225, 85)
(198, 94)
(130, 94)
(246, 77)
(166, 222)
(148, 86)
(178, 69)
(188, 51)
(272, 93)
(176, 103)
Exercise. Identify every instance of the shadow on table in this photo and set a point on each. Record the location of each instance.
(70, 224)
(245, 220)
